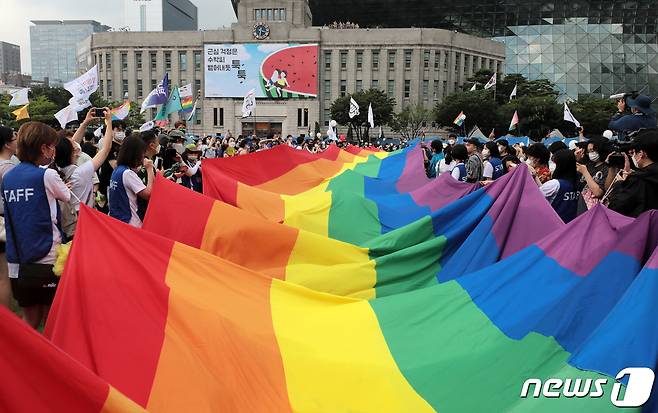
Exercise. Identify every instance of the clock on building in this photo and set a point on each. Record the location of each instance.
(261, 31)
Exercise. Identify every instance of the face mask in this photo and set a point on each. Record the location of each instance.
(192, 158)
(593, 156)
(119, 136)
(486, 153)
(551, 166)
(179, 147)
(635, 161)
(231, 144)
(451, 142)
(529, 162)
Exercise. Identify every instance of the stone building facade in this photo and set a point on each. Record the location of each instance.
(414, 66)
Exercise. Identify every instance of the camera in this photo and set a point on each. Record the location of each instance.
(619, 96)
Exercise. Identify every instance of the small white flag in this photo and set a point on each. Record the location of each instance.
(98, 132)
(66, 115)
(83, 86)
(568, 116)
(354, 108)
(147, 126)
(371, 117)
(473, 87)
(491, 83)
(513, 94)
(19, 98)
(249, 103)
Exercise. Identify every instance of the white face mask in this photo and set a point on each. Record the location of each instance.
(179, 147)
(231, 144)
(529, 162)
(119, 136)
(593, 156)
(551, 166)
(635, 161)
(451, 142)
(486, 152)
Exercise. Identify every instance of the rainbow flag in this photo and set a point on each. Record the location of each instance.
(354, 204)
(459, 120)
(422, 253)
(186, 98)
(39, 377)
(228, 338)
(121, 112)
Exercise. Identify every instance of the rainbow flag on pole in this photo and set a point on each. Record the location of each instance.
(459, 120)
(121, 112)
(186, 98)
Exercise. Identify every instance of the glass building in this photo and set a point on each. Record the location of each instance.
(599, 47)
(53, 45)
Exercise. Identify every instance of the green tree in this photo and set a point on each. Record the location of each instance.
(478, 106)
(538, 115)
(593, 113)
(480, 78)
(382, 108)
(411, 120)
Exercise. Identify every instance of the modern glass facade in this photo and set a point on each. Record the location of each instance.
(54, 44)
(600, 47)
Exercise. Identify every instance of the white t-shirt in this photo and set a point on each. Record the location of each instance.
(82, 182)
(133, 186)
(55, 190)
(455, 171)
(550, 189)
(5, 166)
(444, 167)
(488, 170)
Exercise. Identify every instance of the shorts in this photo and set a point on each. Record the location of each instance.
(34, 291)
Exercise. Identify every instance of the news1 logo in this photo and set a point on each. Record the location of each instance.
(638, 389)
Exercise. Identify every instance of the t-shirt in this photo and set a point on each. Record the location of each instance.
(488, 170)
(550, 189)
(55, 190)
(5, 166)
(446, 167)
(457, 172)
(133, 186)
(599, 175)
(82, 182)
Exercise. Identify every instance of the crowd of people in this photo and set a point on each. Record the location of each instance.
(621, 175)
(46, 175)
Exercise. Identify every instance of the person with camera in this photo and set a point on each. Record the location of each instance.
(635, 191)
(642, 116)
(593, 170)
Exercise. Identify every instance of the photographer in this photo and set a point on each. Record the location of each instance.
(593, 171)
(636, 191)
(642, 115)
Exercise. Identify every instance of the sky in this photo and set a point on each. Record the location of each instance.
(15, 27)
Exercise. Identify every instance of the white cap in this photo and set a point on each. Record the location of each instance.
(608, 134)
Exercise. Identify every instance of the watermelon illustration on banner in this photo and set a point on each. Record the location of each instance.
(274, 70)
